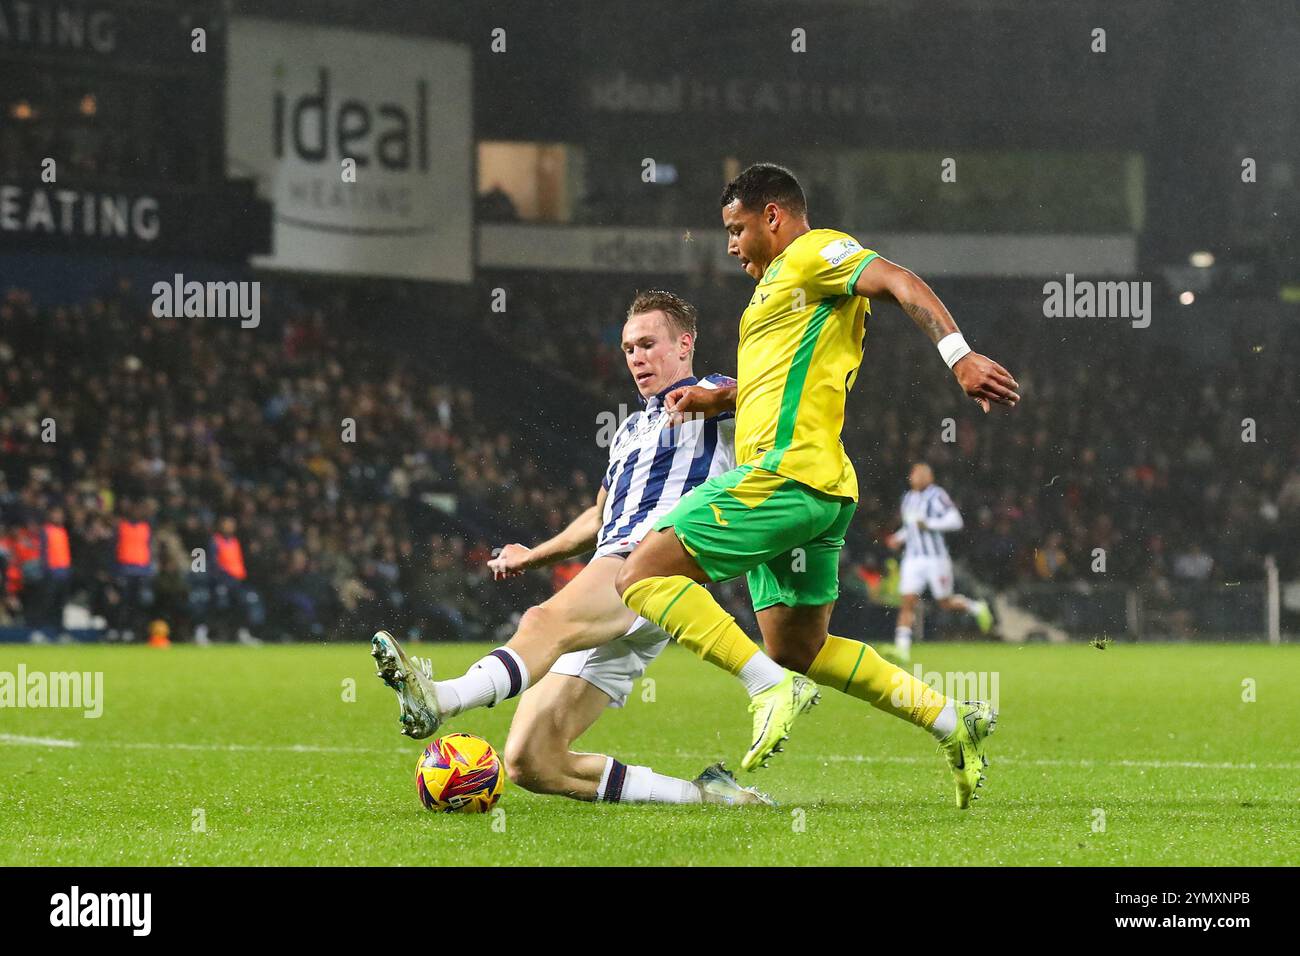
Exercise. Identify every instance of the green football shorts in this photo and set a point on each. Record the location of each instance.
(784, 536)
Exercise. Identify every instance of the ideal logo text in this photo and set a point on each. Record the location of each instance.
(316, 130)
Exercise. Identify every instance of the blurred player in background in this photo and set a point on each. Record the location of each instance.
(928, 514)
(584, 648)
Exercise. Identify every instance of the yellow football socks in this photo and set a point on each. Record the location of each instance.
(859, 671)
(688, 612)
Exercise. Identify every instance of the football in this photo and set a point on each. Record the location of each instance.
(459, 773)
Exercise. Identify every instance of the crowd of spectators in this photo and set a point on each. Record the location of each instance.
(1121, 443)
(332, 459)
(315, 478)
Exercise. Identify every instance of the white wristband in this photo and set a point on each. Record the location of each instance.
(953, 347)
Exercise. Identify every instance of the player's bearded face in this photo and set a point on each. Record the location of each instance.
(747, 240)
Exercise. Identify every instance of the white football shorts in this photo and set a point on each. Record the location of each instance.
(613, 667)
(933, 571)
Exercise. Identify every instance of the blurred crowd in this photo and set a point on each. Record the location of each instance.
(249, 484)
(1121, 444)
(307, 480)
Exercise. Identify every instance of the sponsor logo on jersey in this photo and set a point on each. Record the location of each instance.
(837, 250)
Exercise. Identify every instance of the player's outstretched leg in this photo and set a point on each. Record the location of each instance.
(417, 699)
(961, 728)
(539, 756)
(660, 582)
(585, 613)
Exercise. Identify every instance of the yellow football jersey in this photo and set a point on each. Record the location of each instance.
(800, 347)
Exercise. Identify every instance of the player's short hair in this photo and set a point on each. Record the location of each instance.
(763, 183)
(682, 316)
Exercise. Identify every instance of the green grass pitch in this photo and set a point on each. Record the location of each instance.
(260, 747)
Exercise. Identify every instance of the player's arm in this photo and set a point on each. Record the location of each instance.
(979, 376)
(578, 538)
(699, 401)
(947, 520)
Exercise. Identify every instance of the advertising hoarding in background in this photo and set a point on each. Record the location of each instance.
(302, 101)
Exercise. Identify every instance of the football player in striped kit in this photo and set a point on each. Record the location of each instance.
(581, 650)
(928, 514)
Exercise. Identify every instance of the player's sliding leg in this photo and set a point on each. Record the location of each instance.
(560, 708)
(585, 613)
(662, 583)
(552, 714)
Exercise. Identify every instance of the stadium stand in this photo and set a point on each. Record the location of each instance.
(193, 425)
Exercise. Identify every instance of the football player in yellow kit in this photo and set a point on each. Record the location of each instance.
(780, 516)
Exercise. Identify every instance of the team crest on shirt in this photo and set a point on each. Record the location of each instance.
(645, 423)
(837, 250)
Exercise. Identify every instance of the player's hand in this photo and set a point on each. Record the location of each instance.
(895, 541)
(986, 381)
(920, 522)
(691, 401)
(510, 562)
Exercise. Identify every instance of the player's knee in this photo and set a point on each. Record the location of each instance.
(526, 775)
(538, 619)
(628, 575)
(797, 657)
(547, 625)
(531, 768)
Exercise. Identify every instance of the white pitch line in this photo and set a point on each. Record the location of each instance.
(21, 741)
(253, 748)
(1023, 761)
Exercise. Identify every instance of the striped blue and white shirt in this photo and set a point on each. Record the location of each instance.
(933, 506)
(651, 466)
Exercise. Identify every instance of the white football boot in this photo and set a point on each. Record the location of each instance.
(717, 785)
(420, 715)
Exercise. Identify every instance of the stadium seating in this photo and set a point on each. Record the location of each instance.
(192, 420)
